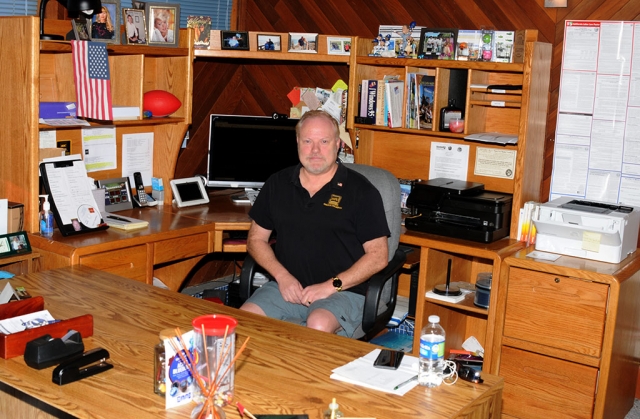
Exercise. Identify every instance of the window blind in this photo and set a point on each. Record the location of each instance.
(219, 10)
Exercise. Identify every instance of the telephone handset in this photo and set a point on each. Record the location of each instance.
(141, 198)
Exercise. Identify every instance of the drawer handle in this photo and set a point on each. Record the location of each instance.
(557, 280)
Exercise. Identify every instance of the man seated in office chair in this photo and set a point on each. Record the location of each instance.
(331, 235)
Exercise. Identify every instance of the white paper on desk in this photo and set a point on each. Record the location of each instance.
(71, 189)
(137, 156)
(449, 161)
(99, 148)
(362, 372)
(27, 321)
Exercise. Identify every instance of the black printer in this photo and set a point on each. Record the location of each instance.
(460, 209)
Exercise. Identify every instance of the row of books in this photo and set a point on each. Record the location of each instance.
(382, 102)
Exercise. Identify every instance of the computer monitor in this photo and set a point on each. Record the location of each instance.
(245, 150)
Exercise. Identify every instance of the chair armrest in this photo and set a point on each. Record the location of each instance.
(372, 321)
(249, 268)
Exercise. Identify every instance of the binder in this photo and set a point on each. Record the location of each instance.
(72, 203)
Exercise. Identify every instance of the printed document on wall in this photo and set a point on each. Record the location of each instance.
(137, 156)
(99, 148)
(449, 160)
(597, 141)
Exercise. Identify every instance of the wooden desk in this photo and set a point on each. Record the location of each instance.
(225, 214)
(285, 368)
(173, 243)
(21, 264)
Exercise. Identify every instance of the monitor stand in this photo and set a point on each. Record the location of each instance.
(247, 197)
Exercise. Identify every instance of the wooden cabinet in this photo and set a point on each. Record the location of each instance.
(567, 344)
(406, 152)
(35, 71)
(463, 319)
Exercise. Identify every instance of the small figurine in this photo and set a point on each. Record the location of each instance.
(406, 33)
(380, 44)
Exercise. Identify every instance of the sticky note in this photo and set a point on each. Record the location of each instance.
(339, 85)
(591, 241)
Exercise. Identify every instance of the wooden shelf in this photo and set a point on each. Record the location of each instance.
(149, 51)
(464, 305)
(215, 50)
(124, 123)
(449, 64)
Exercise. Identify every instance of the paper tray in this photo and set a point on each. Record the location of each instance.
(14, 344)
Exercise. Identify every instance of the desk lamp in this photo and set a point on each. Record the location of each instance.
(73, 6)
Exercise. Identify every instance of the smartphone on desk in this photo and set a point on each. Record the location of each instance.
(141, 198)
(388, 359)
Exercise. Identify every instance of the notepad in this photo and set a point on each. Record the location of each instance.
(453, 299)
(124, 223)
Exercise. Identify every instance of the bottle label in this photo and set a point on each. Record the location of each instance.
(430, 349)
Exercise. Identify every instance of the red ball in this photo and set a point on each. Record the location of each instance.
(160, 103)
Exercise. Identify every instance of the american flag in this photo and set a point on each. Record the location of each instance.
(93, 84)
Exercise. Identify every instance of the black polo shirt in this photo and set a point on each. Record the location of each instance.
(321, 236)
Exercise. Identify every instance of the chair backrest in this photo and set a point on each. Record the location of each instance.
(389, 189)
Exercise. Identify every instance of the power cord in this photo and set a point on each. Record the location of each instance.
(451, 377)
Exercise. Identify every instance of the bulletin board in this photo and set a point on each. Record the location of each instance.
(597, 140)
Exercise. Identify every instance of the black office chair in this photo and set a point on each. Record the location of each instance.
(380, 299)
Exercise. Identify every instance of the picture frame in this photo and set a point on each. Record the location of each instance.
(438, 44)
(202, 29)
(135, 27)
(303, 42)
(163, 24)
(337, 45)
(234, 40)
(14, 244)
(81, 29)
(269, 43)
(105, 25)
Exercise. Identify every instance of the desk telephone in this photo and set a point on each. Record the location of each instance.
(141, 198)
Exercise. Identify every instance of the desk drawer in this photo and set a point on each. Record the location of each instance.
(537, 386)
(556, 311)
(180, 248)
(130, 262)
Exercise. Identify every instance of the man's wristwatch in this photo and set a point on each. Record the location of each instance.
(337, 283)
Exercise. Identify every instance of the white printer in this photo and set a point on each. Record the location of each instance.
(587, 229)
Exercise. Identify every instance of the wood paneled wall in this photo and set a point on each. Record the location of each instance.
(247, 88)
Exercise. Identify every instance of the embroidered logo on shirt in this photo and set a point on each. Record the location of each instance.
(334, 202)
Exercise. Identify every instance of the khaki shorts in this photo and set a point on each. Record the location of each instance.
(346, 306)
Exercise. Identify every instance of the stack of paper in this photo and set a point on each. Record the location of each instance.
(124, 223)
(450, 299)
(362, 372)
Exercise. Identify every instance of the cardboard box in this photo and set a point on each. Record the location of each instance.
(15, 218)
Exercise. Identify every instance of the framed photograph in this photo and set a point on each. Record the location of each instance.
(268, 42)
(438, 44)
(163, 20)
(202, 29)
(135, 26)
(234, 40)
(14, 244)
(81, 28)
(105, 25)
(338, 45)
(303, 42)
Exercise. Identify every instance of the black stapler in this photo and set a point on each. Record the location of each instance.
(81, 366)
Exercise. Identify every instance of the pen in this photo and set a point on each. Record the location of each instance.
(113, 217)
(414, 378)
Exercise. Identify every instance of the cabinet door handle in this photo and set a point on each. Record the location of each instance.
(557, 280)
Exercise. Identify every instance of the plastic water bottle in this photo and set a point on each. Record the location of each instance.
(431, 353)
